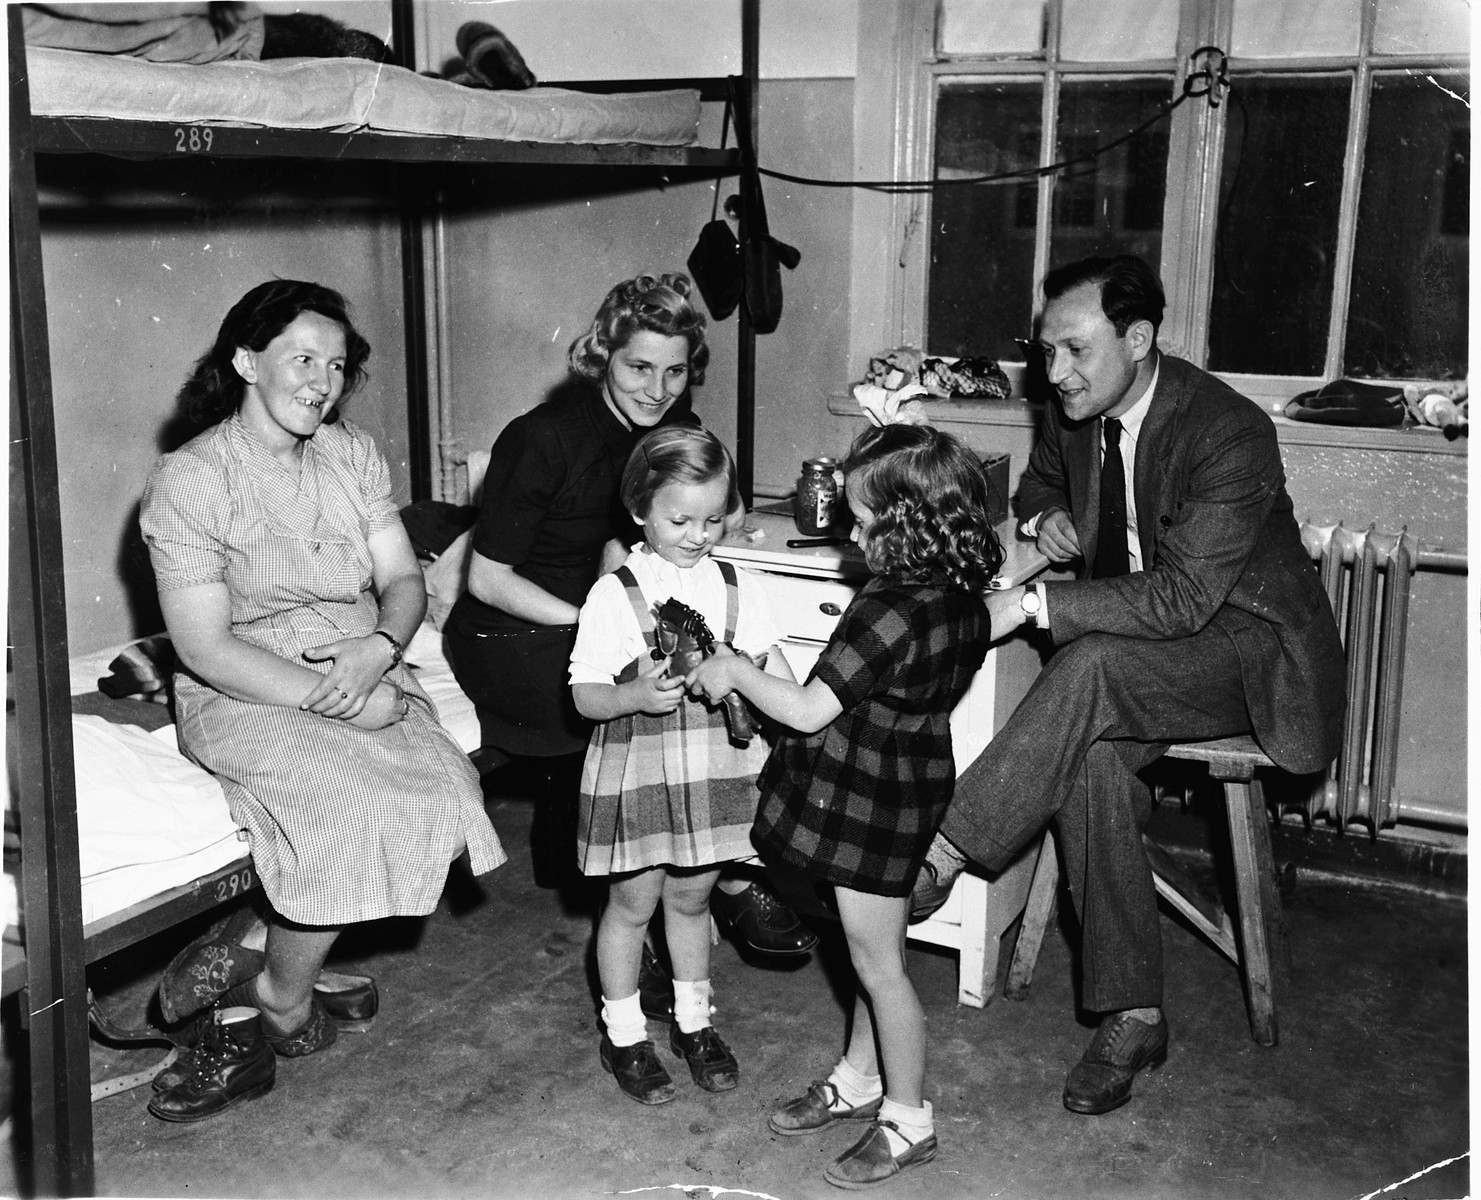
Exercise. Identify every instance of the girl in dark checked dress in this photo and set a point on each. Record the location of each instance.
(854, 796)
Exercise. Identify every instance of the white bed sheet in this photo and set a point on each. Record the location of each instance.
(346, 95)
(148, 819)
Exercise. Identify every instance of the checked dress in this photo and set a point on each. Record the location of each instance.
(857, 802)
(666, 790)
(345, 824)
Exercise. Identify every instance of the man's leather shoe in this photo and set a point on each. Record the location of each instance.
(1121, 1047)
(232, 1063)
(819, 1109)
(638, 1071)
(655, 987)
(710, 1060)
(932, 889)
(763, 922)
(869, 1160)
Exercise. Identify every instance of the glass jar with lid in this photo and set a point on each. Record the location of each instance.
(816, 505)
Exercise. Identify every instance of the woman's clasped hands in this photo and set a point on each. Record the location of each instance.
(355, 688)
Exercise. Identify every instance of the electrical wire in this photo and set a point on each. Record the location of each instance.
(1205, 81)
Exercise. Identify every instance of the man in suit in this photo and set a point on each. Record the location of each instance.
(1197, 614)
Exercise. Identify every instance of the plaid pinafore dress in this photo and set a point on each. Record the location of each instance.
(670, 790)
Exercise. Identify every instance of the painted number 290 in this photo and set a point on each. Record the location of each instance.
(194, 140)
(238, 883)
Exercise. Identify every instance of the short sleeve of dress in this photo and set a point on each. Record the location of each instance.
(526, 471)
(870, 643)
(374, 477)
(183, 518)
(607, 634)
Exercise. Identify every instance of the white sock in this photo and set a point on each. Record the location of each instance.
(692, 1004)
(854, 1087)
(1147, 1016)
(914, 1124)
(625, 1022)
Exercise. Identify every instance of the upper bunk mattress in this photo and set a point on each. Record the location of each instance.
(348, 95)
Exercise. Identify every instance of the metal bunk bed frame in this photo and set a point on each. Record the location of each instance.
(57, 951)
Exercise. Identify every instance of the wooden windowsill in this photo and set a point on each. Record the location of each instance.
(1021, 414)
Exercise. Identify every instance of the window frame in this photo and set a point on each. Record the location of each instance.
(891, 241)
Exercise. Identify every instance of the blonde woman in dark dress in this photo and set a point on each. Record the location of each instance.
(550, 524)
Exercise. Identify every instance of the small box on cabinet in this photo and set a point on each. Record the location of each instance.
(996, 466)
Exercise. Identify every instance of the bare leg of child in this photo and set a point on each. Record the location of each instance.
(887, 1014)
(631, 902)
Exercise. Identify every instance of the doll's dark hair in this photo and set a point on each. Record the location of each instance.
(213, 390)
(655, 303)
(930, 498)
(678, 454)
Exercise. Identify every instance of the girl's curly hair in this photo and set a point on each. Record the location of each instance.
(655, 303)
(930, 499)
(213, 390)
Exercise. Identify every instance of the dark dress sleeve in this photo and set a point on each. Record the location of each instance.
(526, 471)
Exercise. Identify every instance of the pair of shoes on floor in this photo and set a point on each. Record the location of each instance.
(233, 1063)
(641, 1075)
(819, 1109)
(870, 1161)
(349, 1001)
(763, 922)
(1122, 1046)
(212, 964)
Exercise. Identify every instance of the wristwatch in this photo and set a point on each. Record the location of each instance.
(397, 649)
(1031, 602)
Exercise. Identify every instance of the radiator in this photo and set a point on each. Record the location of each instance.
(1366, 576)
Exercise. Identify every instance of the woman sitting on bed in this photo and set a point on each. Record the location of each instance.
(289, 588)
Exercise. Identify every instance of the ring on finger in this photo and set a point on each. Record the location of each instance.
(343, 695)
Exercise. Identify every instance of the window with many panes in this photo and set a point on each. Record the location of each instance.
(1313, 223)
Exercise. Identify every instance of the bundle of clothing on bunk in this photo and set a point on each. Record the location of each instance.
(232, 29)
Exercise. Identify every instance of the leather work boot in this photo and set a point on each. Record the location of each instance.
(232, 1063)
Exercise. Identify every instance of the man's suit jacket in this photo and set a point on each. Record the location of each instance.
(1220, 547)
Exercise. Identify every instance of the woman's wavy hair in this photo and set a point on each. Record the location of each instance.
(678, 454)
(656, 303)
(213, 390)
(930, 497)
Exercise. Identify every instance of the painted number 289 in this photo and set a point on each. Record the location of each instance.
(194, 140)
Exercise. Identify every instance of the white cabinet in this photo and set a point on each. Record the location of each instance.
(808, 589)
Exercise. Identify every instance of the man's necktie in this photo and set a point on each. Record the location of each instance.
(1111, 555)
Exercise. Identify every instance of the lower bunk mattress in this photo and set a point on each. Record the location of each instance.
(148, 819)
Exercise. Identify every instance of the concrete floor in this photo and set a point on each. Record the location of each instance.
(480, 1077)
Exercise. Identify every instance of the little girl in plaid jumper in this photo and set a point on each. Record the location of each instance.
(854, 795)
(667, 794)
